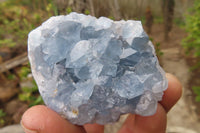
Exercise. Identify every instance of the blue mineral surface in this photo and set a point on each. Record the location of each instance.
(93, 70)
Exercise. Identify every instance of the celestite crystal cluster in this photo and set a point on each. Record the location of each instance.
(93, 70)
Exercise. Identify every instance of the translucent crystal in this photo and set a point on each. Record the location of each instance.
(93, 70)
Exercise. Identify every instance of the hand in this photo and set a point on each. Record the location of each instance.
(40, 119)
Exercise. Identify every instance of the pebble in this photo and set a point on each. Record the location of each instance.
(12, 129)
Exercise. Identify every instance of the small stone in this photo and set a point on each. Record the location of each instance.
(19, 112)
(16, 108)
(12, 129)
(7, 91)
(93, 70)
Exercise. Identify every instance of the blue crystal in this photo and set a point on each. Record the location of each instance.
(93, 70)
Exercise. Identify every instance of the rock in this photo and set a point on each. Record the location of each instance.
(94, 70)
(7, 92)
(28, 83)
(12, 106)
(16, 109)
(5, 54)
(12, 129)
(19, 112)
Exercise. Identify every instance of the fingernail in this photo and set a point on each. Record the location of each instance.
(26, 130)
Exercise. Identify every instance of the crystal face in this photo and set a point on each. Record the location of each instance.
(93, 70)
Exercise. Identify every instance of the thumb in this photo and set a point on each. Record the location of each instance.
(41, 119)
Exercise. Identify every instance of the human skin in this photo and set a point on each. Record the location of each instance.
(41, 119)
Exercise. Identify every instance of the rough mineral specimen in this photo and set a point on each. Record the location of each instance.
(93, 70)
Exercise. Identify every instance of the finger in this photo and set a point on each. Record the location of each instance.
(94, 128)
(173, 92)
(40, 119)
(147, 124)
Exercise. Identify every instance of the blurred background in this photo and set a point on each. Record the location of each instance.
(172, 25)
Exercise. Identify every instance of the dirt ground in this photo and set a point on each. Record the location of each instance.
(183, 118)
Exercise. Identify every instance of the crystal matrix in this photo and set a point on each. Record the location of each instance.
(93, 70)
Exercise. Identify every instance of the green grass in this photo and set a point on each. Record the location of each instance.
(179, 22)
(30, 95)
(24, 71)
(196, 90)
(2, 115)
(158, 19)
